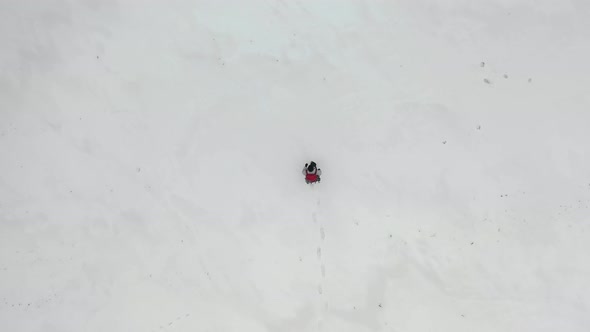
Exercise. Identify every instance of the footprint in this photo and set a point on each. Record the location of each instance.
(322, 233)
(319, 253)
(320, 289)
(314, 217)
(323, 271)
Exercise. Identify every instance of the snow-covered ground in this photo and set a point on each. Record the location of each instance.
(151, 156)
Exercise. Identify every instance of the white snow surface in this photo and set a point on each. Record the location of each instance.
(151, 155)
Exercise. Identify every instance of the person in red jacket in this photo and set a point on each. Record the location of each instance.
(311, 172)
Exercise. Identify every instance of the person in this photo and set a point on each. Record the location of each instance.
(311, 172)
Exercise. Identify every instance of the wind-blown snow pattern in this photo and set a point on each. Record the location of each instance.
(152, 153)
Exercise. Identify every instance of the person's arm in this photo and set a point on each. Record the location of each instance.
(304, 171)
(319, 172)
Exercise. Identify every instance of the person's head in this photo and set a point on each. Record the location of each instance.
(311, 167)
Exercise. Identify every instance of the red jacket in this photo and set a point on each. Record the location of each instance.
(312, 176)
